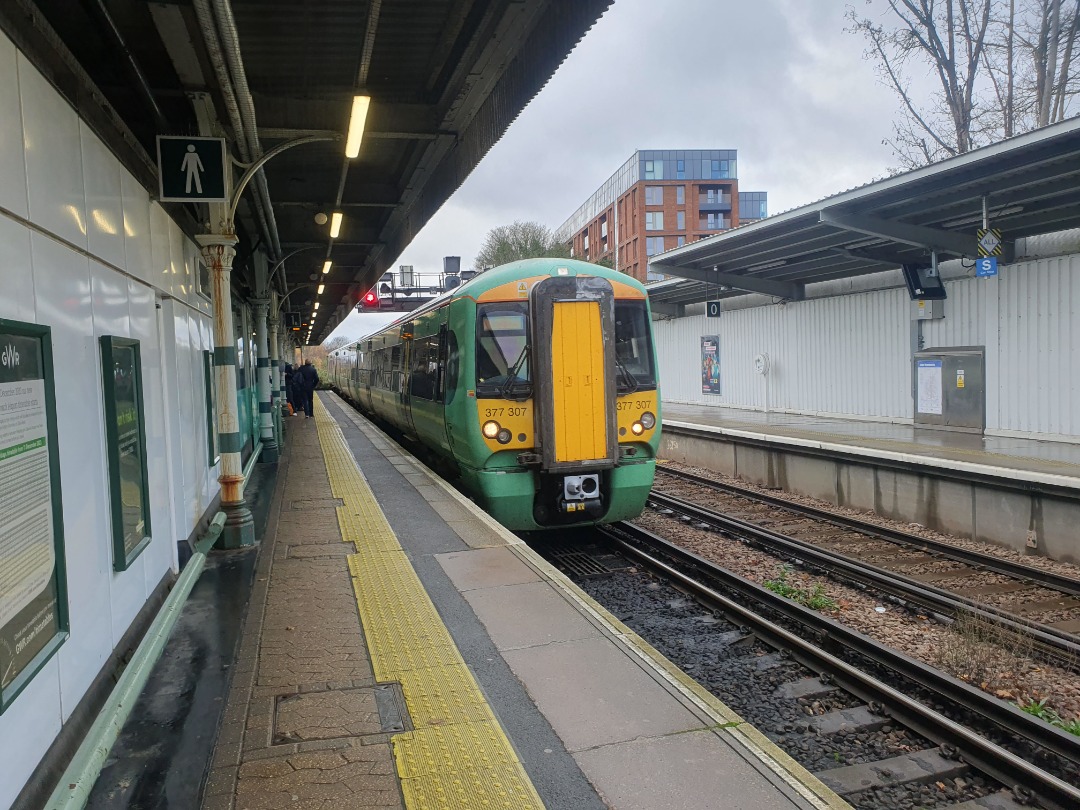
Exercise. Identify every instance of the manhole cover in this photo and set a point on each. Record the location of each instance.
(316, 503)
(339, 713)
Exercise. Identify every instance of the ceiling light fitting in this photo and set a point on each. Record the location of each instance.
(326, 266)
(335, 224)
(321, 288)
(360, 106)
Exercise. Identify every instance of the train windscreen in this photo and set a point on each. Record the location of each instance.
(633, 347)
(502, 362)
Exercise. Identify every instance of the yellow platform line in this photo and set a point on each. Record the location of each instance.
(457, 757)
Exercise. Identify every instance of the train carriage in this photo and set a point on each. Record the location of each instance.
(536, 381)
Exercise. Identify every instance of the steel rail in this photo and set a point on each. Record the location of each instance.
(1063, 647)
(997, 565)
(981, 753)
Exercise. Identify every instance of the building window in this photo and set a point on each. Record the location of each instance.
(654, 195)
(680, 169)
(603, 228)
(654, 170)
(680, 194)
(654, 245)
(682, 241)
(714, 222)
(680, 220)
(585, 241)
(718, 169)
(654, 220)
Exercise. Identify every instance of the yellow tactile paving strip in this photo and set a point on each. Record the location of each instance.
(457, 757)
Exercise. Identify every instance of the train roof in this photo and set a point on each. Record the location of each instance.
(506, 273)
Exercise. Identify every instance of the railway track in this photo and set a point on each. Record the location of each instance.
(927, 575)
(843, 686)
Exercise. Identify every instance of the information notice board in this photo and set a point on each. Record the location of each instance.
(33, 585)
(121, 370)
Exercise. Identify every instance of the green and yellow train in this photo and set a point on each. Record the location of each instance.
(536, 382)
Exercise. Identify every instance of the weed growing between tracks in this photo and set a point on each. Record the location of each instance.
(814, 598)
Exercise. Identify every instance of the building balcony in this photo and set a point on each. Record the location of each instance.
(714, 224)
(715, 205)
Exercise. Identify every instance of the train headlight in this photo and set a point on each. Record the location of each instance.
(637, 428)
(504, 436)
(491, 429)
(648, 420)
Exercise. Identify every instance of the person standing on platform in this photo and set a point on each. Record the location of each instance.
(290, 387)
(309, 381)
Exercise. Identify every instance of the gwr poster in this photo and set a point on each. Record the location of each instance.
(33, 612)
(710, 364)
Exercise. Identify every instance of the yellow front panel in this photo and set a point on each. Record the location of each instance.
(577, 373)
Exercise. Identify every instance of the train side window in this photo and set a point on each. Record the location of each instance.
(424, 374)
(453, 366)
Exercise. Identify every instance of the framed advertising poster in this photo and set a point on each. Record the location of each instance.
(125, 433)
(710, 364)
(33, 582)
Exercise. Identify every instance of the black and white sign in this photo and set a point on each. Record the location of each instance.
(713, 309)
(191, 169)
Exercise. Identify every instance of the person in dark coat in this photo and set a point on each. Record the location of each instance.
(289, 374)
(309, 381)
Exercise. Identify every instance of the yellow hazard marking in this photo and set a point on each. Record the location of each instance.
(457, 756)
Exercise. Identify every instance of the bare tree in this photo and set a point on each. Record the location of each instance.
(1029, 59)
(947, 36)
(522, 240)
(1002, 67)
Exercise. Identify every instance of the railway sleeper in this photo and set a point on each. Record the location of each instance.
(1002, 800)
(804, 688)
(918, 767)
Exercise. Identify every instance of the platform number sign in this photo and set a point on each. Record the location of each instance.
(712, 309)
(989, 242)
(191, 169)
(984, 268)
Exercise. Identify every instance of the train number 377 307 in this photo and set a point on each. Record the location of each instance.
(490, 413)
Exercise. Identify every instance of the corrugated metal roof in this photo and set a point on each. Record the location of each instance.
(1031, 184)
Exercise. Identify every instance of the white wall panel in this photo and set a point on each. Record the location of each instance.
(189, 455)
(1039, 347)
(34, 721)
(12, 161)
(16, 271)
(104, 203)
(850, 354)
(55, 172)
(138, 251)
(53, 158)
(845, 355)
(171, 320)
(63, 292)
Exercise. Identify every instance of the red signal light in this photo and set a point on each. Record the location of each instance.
(371, 300)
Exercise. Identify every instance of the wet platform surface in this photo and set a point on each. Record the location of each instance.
(1046, 458)
(320, 706)
(400, 649)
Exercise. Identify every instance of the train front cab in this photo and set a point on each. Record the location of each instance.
(572, 423)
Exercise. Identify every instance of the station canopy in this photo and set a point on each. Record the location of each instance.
(445, 78)
(1030, 185)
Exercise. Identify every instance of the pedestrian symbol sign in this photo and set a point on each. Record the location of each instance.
(989, 242)
(191, 169)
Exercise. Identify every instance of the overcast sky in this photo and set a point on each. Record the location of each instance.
(778, 80)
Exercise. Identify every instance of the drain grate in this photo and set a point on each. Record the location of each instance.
(583, 561)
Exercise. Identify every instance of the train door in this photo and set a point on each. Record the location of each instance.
(409, 347)
(574, 379)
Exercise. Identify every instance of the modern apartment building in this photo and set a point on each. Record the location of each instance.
(658, 200)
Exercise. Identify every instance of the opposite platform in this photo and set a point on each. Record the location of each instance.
(401, 648)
